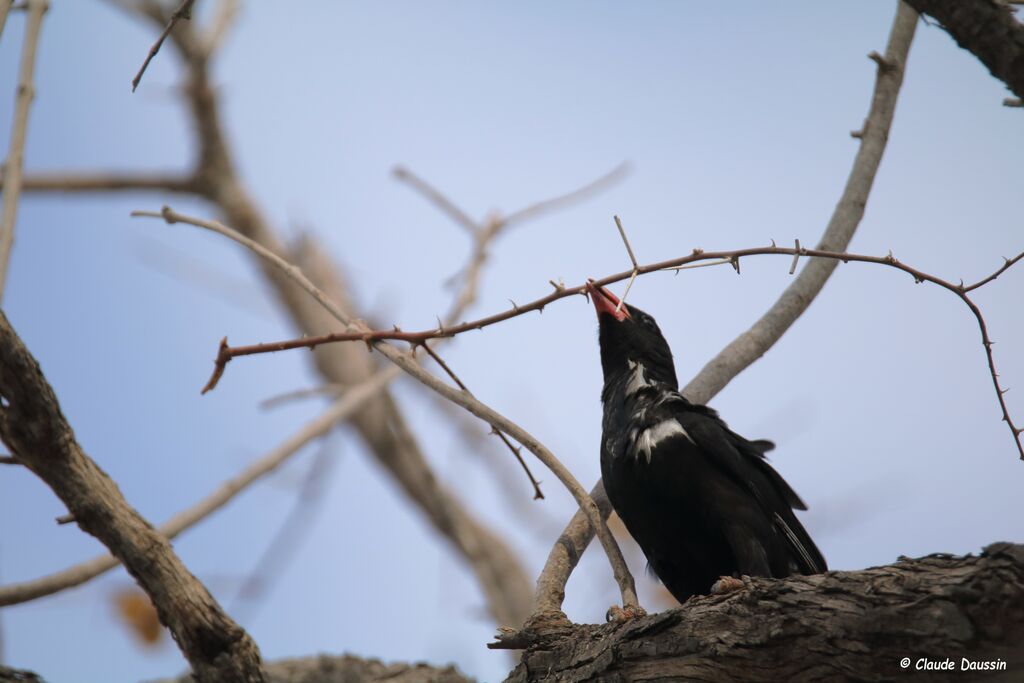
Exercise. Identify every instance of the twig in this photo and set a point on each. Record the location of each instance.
(353, 401)
(632, 258)
(436, 197)
(8, 460)
(407, 363)
(547, 205)
(33, 426)
(184, 11)
(19, 129)
(299, 394)
(111, 182)
(485, 232)
(796, 258)
(292, 531)
(5, 8)
(537, 493)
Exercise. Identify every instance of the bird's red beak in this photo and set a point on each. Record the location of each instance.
(606, 302)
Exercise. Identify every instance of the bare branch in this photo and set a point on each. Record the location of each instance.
(227, 11)
(537, 494)
(19, 129)
(33, 427)
(437, 198)
(408, 363)
(590, 189)
(5, 8)
(110, 182)
(381, 424)
(184, 11)
(345, 406)
(763, 334)
(747, 348)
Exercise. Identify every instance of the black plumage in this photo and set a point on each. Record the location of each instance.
(701, 500)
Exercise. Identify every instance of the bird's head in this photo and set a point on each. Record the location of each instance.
(629, 336)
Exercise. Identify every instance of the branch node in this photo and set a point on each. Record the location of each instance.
(883, 63)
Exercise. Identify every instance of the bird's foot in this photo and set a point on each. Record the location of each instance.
(725, 585)
(620, 615)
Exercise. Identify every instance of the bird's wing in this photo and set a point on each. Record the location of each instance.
(743, 462)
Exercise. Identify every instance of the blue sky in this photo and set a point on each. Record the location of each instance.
(735, 118)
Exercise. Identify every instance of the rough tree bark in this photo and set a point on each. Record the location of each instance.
(848, 626)
(988, 30)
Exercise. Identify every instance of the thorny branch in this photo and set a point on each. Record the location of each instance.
(406, 361)
(227, 353)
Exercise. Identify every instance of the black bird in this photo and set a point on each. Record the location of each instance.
(701, 500)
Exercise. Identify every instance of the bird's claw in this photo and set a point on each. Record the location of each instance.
(620, 615)
(725, 585)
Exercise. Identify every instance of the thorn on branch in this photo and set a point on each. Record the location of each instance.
(796, 257)
(625, 240)
(515, 306)
(735, 261)
(221, 362)
(65, 519)
(773, 244)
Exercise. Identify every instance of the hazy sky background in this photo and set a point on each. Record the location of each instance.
(735, 118)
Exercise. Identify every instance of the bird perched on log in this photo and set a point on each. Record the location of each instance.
(700, 500)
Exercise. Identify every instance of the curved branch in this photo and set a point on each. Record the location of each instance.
(753, 343)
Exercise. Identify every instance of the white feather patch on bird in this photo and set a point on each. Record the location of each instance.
(638, 380)
(649, 438)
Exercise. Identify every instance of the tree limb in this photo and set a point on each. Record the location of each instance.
(753, 343)
(849, 626)
(33, 427)
(988, 30)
